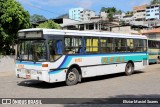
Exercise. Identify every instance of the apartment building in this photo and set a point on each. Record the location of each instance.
(153, 12)
(139, 12)
(74, 13)
(153, 33)
(86, 15)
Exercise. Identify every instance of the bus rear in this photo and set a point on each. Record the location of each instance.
(154, 50)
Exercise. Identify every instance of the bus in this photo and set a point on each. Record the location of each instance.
(154, 50)
(53, 55)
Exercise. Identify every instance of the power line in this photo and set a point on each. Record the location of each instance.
(43, 9)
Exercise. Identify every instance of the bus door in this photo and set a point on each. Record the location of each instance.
(55, 48)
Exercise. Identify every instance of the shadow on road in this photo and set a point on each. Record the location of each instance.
(44, 85)
(115, 101)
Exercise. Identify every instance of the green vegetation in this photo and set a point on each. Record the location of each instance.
(111, 11)
(49, 24)
(13, 17)
(155, 1)
(36, 17)
(66, 15)
(129, 13)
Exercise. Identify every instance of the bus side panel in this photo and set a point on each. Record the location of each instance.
(94, 65)
(103, 70)
(57, 75)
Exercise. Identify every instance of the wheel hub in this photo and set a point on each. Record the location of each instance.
(71, 76)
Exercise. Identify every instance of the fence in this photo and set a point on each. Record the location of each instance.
(7, 63)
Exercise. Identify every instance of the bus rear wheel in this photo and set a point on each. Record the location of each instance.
(72, 77)
(129, 69)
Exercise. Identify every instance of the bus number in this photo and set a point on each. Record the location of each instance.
(78, 60)
(20, 66)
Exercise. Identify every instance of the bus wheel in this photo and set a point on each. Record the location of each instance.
(72, 77)
(129, 69)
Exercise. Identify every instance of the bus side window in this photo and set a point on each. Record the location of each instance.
(130, 47)
(73, 45)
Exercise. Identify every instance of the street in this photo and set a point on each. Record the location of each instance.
(142, 84)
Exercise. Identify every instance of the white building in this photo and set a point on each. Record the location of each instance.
(139, 12)
(127, 19)
(103, 15)
(86, 15)
(153, 12)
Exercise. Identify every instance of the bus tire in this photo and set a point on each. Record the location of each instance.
(72, 77)
(129, 69)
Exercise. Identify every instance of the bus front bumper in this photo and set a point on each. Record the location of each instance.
(33, 74)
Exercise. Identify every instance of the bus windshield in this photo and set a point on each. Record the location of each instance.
(32, 50)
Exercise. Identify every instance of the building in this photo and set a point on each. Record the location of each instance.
(60, 21)
(139, 13)
(74, 13)
(118, 17)
(153, 33)
(127, 19)
(96, 24)
(86, 15)
(103, 15)
(128, 29)
(153, 12)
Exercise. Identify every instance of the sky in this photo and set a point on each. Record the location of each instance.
(53, 8)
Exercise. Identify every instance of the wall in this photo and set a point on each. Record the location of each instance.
(7, 63)
(124, 29)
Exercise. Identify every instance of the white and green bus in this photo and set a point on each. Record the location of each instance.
(154, 50)
(52, 55)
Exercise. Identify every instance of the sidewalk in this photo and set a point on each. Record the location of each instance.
(5, 74)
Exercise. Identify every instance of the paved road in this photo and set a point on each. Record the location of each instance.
(144, 83)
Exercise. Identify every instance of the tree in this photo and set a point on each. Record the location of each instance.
(119, 11)
(64, 16)
(13, 17)
(49, 24)
(103, 9)
(110, 16)
(155, 2)
(36, 17)
(111, 11)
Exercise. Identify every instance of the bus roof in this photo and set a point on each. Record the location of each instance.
(83, 33)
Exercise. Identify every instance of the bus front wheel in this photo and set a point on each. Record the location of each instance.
(72, 77)
(129, 69)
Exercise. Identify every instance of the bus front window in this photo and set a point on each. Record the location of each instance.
(39, 51)
(32, 50)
